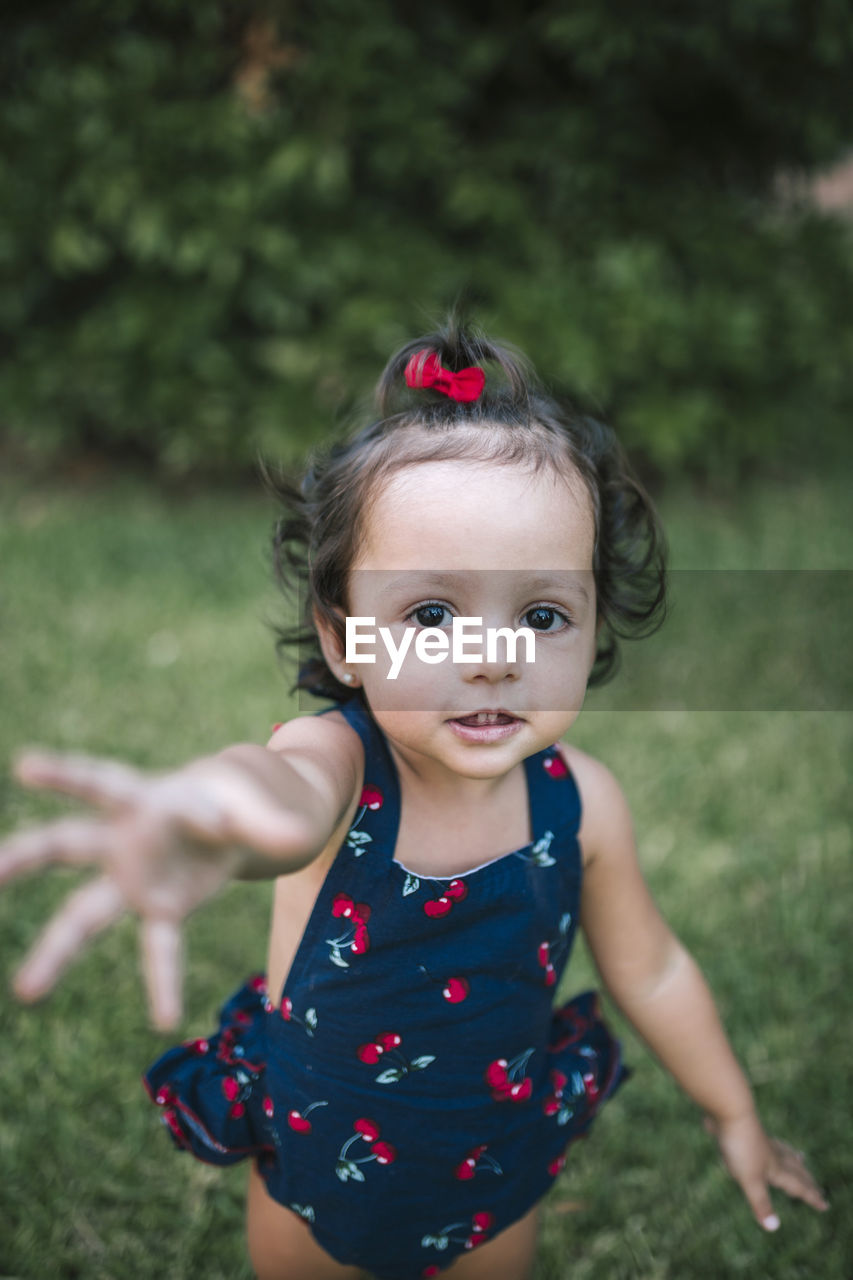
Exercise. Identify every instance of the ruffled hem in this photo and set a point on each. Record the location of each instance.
(587, 1066)
(215, 1104)
(221, 1079)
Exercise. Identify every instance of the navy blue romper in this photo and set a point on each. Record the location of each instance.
(412, 1091)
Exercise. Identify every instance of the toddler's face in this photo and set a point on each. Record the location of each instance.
(489, 541)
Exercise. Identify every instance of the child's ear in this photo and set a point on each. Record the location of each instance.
(330, 630)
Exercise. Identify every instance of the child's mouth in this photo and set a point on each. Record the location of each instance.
(486, 717)
(485, 726)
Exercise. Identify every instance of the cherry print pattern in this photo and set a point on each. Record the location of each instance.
(197, 1046)
(305, 1211)
(554, 764)
(238, 1088)
(308, 1023)
(555, 1104)
(382, 1152)
(370, 799)
(478, 1233)
(456, 891)
(475, 1162)
(298, 1120)
(454, 990)
(550, 953)
(388, 1042)
(539, 854)
(507, 1080)
(356, 939)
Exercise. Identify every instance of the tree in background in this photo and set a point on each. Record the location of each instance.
(218, 218)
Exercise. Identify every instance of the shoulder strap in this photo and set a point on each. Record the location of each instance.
(379, 809)
(555, 803)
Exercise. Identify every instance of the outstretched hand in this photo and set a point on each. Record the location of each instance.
(164, 843)
(758, 1162)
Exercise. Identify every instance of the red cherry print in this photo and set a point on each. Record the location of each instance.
(370, 1053)
(551, 1106)
(432, 1270)
(544, 954)
(368, 1129)
(230, 1088)
(242, 1018)
(522, 1090)
(559, 1081)
(361, 941)
(268, 1107)
(371, 797)
(556, 1166)
(456, 990)
(437, 907)
(389, 1039)
(361, 912)
(465, 1170)
(550, 975)
(298, 1123)
(496, 1074)
(590, 1087)
(456, 890)
(237, 1110)
(286, 1008)
(482, 1221)
(163, 1095)
(342, 905)
(473, 1241)
(555, 765)
(258, 983)
(384, 1152)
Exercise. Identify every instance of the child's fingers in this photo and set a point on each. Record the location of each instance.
(162, 963)
(70, 840)
(84, 913)
(791, 1175)
(101, 782)
(758, 1197)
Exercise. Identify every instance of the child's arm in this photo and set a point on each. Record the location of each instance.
(658, 986)
(167, 842)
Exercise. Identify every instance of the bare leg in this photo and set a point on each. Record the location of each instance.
(281, 1246)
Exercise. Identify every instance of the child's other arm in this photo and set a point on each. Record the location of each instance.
(167, 842)
(659, 987)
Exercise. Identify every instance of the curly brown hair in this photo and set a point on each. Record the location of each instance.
(514, 421)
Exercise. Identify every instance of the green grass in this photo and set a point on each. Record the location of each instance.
(133, 623)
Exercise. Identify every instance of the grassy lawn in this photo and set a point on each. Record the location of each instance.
(135, 623)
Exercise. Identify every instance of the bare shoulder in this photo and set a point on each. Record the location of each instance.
(316, 733)
(606, 825)
(322, 747)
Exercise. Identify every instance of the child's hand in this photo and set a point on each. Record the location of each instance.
(758, 1162)
(164, 842)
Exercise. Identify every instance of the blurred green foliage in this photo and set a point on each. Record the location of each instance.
(219, 218)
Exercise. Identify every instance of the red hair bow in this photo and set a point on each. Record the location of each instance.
(424, 370)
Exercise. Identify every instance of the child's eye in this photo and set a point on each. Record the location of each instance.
(544, 618)
(431, 615)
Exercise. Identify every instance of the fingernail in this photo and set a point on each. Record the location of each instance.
(771, 1223)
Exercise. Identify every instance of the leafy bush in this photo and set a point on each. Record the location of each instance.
(219, 218)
